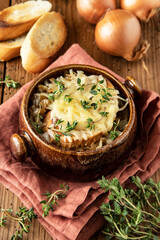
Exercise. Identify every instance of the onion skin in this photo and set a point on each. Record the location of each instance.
(143, 9)
(93, 10)
(118, 34)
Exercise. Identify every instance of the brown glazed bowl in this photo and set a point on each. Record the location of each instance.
(72, 164)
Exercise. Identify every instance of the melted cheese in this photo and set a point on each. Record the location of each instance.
(73, 110)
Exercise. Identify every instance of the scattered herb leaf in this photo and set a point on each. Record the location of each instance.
(93, 92)
(72, 126)
(10, 83)
(51, 96)
(94, 105)
(85, 104)
(81, 86)
(91, 124)
(104, 114)
(67, 98)
(53, 199)
(57, 137)
(113, 133)
(101, 81)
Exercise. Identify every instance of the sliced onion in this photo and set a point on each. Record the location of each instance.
(93, 10)
(143, 9)
(118, 33)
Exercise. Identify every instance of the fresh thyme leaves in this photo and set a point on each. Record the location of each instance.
(114, 133)
(101, 81)
(106, 94)
(38, 129)
(16, 236)
(72, 126)
(59, 121)
(94, 105)
(64, 132)
(3, 219)
(51, 96)
(90, 124)
(85, 104)
(10, 83)
(23, 216)
(60, 85)
(67, 98)
(104, 114)
(81, 86)
(57, 93)
(53, 199)
(127, 213)
(57, 137)
(78, 81)
(93, 91)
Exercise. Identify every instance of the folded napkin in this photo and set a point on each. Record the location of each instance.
(77, 216)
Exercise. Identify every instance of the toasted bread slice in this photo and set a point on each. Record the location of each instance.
(69, 141)
(11, 48)
(43, 41)
(18, 19)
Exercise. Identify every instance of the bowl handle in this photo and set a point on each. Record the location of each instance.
(133, 87)
(21, 146)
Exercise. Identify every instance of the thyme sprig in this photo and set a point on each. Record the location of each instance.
(81, 86)
(114, 133)
(67, 98)
(127, 213)
(23, 216)
(91, 124)
(72, 126)
(53, 199)
(65, 131)
(57, 93)
(10, 83)
(85, 104)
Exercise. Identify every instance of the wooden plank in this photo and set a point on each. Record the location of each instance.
(3, 4)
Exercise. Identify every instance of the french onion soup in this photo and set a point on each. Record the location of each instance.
(78, 111)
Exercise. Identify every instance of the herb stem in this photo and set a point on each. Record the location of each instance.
(134, 230)
(124, 236)
(10, 216)
(148, 201)
(53, 195)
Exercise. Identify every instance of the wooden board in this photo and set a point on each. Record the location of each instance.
(81, 32)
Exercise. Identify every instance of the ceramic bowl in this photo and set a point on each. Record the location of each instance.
(72, 164)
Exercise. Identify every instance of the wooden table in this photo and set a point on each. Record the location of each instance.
(79, 31)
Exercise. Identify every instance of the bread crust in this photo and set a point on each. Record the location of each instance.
(11, 48)
(43, 42)
(74, 141)
(13, 25)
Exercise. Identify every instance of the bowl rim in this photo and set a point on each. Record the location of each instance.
(118, 141)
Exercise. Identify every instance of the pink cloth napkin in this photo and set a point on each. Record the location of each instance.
(77, 216)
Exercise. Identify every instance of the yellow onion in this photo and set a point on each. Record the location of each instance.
(118, 34)
(93, 10)
(143, 9)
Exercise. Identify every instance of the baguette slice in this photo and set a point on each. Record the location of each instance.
(11, 48)
(18, 19)
(43, 41)
(74, 142)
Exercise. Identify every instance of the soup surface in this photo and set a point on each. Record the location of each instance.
(77, 111)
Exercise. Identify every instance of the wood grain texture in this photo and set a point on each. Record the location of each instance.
(81, 32)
